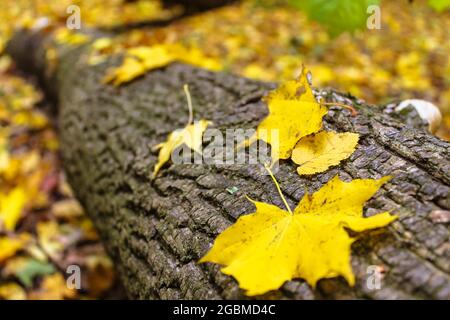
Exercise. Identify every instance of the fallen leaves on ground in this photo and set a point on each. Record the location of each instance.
(93, 13)
(41, 223)
(264, 249)
(318, 152)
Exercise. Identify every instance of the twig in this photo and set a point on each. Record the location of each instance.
(353, 110)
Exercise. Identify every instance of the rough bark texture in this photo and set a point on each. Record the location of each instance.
(156, 230)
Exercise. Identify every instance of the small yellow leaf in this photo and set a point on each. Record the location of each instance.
(33, 119)
(102, 43)
(49, 235)
(131, 68)
(191, 135)
(11, 206)
(293, 113)
(153, 57)
(196, 57)
(100, 50)
(4, 155)
(264, 249)
(12, 291)
(68, 37)
(141, 59)
(51, 57)
(67, 209)
(9, 246)
(318, 152)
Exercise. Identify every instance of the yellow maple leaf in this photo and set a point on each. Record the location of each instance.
(12, 291)
(191, 135)
(11, 206)
(9, 246)
(141, 59)
(153, 57)
(318, 152)
(264, 249)
(130, 69)
(137, 61)
(294, 113)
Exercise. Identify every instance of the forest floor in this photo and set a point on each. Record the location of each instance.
(43, 229)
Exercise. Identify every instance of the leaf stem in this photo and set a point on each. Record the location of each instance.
(189, 101)
(353, 110)
(278, 188)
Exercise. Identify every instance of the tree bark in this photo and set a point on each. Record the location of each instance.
(156, 231)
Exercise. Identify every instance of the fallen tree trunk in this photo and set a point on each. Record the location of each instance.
(156, 231)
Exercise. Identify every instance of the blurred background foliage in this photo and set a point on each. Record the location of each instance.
(43, 228)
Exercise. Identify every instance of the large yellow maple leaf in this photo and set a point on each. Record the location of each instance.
(264, 249)
(294, 113)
